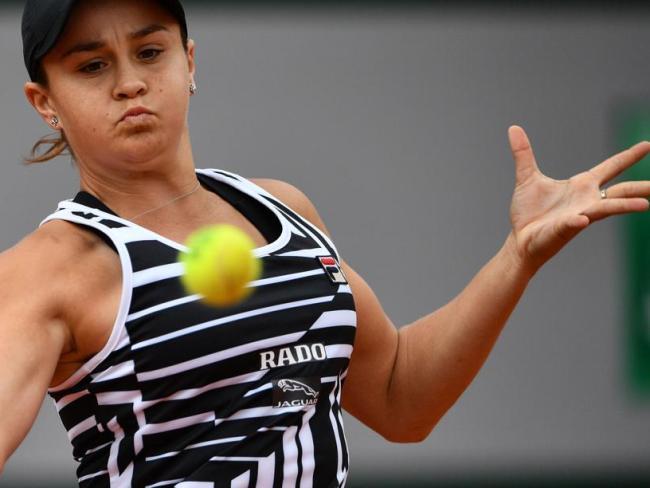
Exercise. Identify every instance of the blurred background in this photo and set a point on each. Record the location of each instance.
(392, 117)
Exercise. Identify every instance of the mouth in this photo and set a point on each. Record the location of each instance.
(136, 114)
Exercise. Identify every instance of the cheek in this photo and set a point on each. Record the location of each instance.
(86, 125)
(87, 119)
(79, 108)
(174, 101)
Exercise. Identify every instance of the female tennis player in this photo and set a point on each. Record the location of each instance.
(155, 388)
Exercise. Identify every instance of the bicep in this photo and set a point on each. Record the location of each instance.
(367, 384)
(31, 341)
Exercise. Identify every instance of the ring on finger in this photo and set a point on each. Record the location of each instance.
(603, 194)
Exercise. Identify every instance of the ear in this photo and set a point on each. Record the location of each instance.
(39, 98)
(190, 58)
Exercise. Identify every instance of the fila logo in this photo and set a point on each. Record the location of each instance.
(293, 385)
(287, 356)
(333, 269)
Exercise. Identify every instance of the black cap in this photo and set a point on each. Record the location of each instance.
(44, 21)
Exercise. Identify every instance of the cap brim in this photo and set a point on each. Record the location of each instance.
(50, 17)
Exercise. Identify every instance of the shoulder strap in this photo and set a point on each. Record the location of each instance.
(295, 218)
(261, 216)
(89, 200)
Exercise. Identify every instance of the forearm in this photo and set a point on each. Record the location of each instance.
(440, 354)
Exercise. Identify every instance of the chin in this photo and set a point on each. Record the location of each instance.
(142, 147)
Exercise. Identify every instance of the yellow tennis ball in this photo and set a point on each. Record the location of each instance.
(220, 264)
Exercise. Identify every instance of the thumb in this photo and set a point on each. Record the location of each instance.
(548, 241)
(570, 226)
(522, 152)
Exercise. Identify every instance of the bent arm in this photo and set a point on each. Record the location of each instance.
(429, 363)
(31, 339)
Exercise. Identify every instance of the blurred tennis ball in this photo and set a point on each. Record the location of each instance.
(219, 265)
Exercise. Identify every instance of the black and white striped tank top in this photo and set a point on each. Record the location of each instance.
(188, 395)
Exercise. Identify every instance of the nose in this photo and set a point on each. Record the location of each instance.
(129, 83)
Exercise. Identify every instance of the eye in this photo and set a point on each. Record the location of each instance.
(93, 67)
(150, 54)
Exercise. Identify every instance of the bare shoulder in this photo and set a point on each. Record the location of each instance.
(294, 198)
(286, 192)
(51, 246)
(31, 271)
(45, 263)
(42, 251)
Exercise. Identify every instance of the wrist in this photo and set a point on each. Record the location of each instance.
(517, 262)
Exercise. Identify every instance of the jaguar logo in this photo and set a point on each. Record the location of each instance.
(293, 385)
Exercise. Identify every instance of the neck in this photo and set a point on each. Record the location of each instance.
(153, 183)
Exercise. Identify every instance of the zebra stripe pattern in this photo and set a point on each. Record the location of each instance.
(188, 395)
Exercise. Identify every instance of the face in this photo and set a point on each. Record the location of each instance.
(114, 56)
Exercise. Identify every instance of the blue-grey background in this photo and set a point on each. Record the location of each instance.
(394, 123)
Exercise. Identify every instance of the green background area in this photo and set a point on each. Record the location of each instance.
(634, 126)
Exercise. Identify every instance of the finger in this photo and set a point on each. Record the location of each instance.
(522, 152)
(608, 207)
(614, 166)
(629, 189)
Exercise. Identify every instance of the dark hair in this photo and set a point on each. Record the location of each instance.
(57, 144)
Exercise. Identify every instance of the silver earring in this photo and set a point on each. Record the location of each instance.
(54, 121)
(192, 88)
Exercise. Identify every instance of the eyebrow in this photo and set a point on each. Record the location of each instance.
(95, 45)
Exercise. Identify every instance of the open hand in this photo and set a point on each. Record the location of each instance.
(546, 214)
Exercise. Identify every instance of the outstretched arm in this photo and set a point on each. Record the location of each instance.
(400, 383)
(32, 334)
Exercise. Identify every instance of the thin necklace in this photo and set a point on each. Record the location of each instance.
(194, 190)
